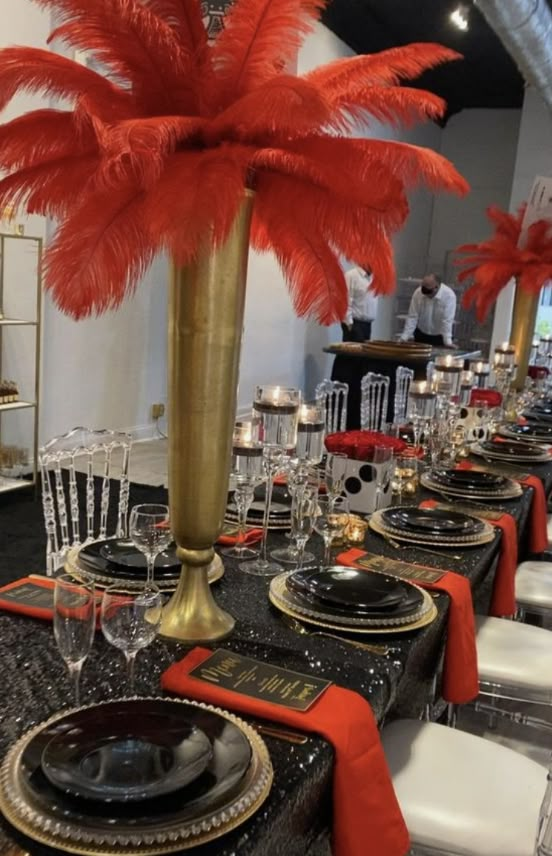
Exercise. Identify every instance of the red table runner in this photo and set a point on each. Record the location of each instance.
(460, 676)
(367, 820)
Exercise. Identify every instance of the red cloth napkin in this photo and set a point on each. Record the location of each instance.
(538, 519)
(27, 609)
(367, 820)
(251, 536)
(460, 675)
(503, 600)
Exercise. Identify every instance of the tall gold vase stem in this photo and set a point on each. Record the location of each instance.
(206, 306)
(524, 317)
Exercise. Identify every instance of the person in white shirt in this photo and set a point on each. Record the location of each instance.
(362, 308)
(431, 313)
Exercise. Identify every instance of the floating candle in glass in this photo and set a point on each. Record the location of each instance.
(310, 433)
(421, 400)
(481, 372)
(545, 346)
(504, 356)
(467, 381)
(277, 409)
(535, 348)
(447, 373)
(247, 453)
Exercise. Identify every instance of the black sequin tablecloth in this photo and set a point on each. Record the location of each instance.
(296, 817)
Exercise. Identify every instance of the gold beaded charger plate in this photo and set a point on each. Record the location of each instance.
(235, 784)
(284, 600)
(511, 490)
(104, 579)
(486, 534)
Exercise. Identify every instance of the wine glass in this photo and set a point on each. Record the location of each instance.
(74, 622)
(383, 460)
(150, 532)
(332, 517)
(334, 476)
(303, 513)
(130, 619)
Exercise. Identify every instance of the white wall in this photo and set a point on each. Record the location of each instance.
(482, 145)
(534, 157)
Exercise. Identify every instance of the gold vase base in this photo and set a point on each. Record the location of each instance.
(191, 615)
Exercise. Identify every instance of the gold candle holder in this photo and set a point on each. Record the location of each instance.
(356, 529)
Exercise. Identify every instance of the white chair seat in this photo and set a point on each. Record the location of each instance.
(534, 584)
(549, 530)
(461, 794)
(514, 654)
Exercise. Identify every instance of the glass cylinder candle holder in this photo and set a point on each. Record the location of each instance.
(466, 386)
(535, 350)
(277, 409)
(310, 434)
(505, 356)
(421, 400)
(448, 373)
(545, 346)
(481, 372)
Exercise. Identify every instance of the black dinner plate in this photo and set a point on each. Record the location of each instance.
(349, 587)
(543, 407)
(511, 448)
(119, 558)
(470, 479)
(432, 521)
(531, 430)
(543, 415)
(412, 602)
(219, 782)
(126, 758)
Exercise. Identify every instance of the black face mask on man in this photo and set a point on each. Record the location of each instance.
(428, 291)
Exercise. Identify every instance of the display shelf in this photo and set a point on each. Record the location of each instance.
(17, 405)
(8, 328)
(17, 322)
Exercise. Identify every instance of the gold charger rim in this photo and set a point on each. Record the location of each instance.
(215, 573)
(427, 618)
(485, 537)
(514, 490)
(260, 766)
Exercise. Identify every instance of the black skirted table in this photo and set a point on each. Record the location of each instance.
(350, 366)
(296, 818)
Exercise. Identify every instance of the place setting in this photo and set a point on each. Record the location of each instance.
(429, 526)
(471, 484)
(528, 432)
(511, 451)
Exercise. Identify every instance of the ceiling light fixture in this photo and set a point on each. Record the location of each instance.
(460, 17)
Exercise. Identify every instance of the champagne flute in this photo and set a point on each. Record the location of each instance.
(150, 532)
(332, 517)
(303, 512)
(334, 476)
(383, 465)
(74, 622)
(130, 619)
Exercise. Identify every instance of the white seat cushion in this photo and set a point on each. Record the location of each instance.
(549, 530)
(463, 794)
(514, 654)
(534, 584)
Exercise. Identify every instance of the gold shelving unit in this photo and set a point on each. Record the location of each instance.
(11, 326)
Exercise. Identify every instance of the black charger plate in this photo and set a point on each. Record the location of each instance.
(434, 521)
(531, 431)
(220, 781)
(349, 588)
(120, 559)
(511, 448)
(471, 479)
(124, 757)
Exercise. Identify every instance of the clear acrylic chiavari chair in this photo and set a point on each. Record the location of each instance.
(374, 395)
(78, 491)
(332, 396)
(403, 378)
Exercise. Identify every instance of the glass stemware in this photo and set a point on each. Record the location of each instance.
(332, 517)
(150, 532)
(334, 476)
(303, 513)
(300, 478)
(130, 619)
(74, 622)
(383, 461)
(276, 409)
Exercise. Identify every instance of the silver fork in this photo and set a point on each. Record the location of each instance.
(299, 628)
(398, 546)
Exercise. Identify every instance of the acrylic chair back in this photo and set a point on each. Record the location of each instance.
(79, 491)
(403, 378)
(374, 395)
(332, 396)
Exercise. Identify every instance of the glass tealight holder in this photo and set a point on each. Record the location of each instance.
(310, 434)
(481, 372)
(356, 529)
(277, 409)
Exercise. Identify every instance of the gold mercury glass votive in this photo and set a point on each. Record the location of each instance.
(355, 532)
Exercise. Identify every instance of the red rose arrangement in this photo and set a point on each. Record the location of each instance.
(537, 372)
(359, 445)
(490, 397)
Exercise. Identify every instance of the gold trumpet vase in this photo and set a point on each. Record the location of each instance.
(206, 306)
(524, 317)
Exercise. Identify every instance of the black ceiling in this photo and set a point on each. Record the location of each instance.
(487, 77)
